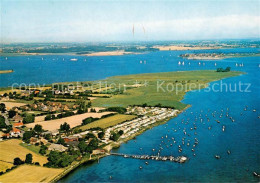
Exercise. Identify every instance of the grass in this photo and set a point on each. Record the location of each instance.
(32, 148)
(150, 95)
(30, 173)
(109, 121)
(11, 149)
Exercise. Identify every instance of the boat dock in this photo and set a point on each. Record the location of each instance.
(179, 159)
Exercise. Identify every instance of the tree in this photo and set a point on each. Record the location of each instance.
(43, 149)
(38, 128)
(29, 118)
(11, 113)
(2, 107)
(28, 158)
(101, 135)
(17, 161)
(27, 135)
(93, 143)
(47, 117)
(65, 127)
(2, 122)
(227, 69)
(114, 136)
(61, 141)
(82, 146)
(121, 132)
(120, 110)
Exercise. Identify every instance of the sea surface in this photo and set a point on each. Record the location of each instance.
(240, 137)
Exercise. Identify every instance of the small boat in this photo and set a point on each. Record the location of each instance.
(146, 163)
(183, 63)
(42, 58)
(236, 64)
(256, 174)
(6, 58)
(199, 63)
(217, 156)
(141, 61)
(254, 110)
(223, 128)
(110, 177)
(189, 63)
(140, 167)
(215, 64)
(74, 59)
(228, 152)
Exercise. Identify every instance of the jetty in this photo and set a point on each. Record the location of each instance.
(178, 159)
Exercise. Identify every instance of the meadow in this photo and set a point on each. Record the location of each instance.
(149, 93)
(108, 121)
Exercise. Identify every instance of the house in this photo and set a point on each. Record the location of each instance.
(17, 118)
(19, 124)
(33, 140)
(57, 147)
(15, 132)
(70, 139)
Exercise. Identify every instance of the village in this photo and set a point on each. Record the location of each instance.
(71, 131)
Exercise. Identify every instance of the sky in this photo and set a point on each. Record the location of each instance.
(114, 20)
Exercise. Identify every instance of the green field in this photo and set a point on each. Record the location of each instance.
(109, 121)
(149, 94)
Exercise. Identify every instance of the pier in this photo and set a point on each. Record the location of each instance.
(178, 159)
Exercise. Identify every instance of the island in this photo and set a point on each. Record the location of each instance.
(47, 132)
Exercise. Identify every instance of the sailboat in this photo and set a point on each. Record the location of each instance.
(199, 63)
(6, 58)
(42, 58)
(183, 63)
(179, 63)
(215, 64)
(189, 63)
(236, 64)
(141, 61)
(73, 59)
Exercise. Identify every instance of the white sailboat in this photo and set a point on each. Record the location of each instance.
(183, 63)
(236, 64)
(189, 63)
(215, 64)
(74, 59)
(6, 58)
(141, 61)
(199, 63)
(179, 63)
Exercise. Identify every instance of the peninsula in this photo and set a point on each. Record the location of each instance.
(93, 117)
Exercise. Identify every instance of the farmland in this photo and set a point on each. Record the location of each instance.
(73, 121)
(30, 173)
(11, 149)
(109, 121)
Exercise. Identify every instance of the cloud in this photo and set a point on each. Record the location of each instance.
(83, 30)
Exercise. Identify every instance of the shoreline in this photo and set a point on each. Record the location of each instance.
(114, 145)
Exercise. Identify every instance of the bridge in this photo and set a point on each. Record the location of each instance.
(178, 159)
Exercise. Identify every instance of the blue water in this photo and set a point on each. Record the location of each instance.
(240, 137)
